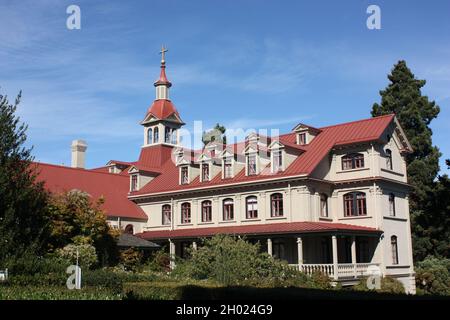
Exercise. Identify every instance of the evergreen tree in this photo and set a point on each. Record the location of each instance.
(22, 200)
(215, 134)
(415, 112)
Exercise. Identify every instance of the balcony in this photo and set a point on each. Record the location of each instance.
(345, 271)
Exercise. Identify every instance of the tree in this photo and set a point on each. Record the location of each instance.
(75, 219)
(415, 112)
(22, 200)
(215, 134)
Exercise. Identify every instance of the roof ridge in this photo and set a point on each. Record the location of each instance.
(358, 121)
(76, 169)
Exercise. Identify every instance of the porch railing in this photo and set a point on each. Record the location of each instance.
(344, 270)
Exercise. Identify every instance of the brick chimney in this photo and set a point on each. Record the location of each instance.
(78, 153)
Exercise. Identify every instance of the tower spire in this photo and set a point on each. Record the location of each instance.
(162, 84)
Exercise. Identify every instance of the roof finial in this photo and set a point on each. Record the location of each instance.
(162, 52)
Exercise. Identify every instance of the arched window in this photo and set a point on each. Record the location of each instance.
(352, 161)
(167, 134)
(388, 159)
(323, 205)
(252, 207)
(276, 205)
(166, 214)
(394, 248)
(156, 135)
(174, 136)
(392, 205)
(206, 211)
(186, 212)
(129, 229)
(150, 136)
(228, 209)
(355, 204)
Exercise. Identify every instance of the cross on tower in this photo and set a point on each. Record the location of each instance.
(162, 52)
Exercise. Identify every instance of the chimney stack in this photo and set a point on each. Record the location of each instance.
(78, 153)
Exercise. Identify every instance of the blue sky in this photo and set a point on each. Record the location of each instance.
(246, 64)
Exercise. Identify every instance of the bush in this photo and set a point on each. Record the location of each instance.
(102, 278)
(131, 259)
(87, 256)
(54, 293)
(433, 276)
(234, 261)
(388, 285)
(160, 262)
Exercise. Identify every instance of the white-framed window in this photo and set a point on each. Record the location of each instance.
(156, 135)
(394, 249)
(276, 205)
(352, 161)
(166, 214)
(206, 211)
(355, 204)
(277, 160)
(205, 172)
(389, 159)
(392, 205)
(301, 138)
(228, 209)
(186, 212)
(134, 182)
(251, 207)
(251, 164)
(150, 136)
(323, 205)
(228, 167)
(184, 171)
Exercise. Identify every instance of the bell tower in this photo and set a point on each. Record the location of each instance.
(162, 121)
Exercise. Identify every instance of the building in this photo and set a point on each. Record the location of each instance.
(333, 199)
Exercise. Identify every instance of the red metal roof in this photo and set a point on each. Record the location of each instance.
(162, 109)
(163, 78)
(258, 229)
(332, 136)
(113, 187)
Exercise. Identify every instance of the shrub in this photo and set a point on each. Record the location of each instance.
(87, 256)
(160, 262)
(102, 278)
(234, 261)
(131, 259)
(433, 276)
(388, 285)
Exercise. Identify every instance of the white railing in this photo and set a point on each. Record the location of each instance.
(327, 269)
(344, 270)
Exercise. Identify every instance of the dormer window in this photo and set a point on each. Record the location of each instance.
(251, 164)
(228, 167)
(277, 160)
(184, 175)
(134, 182)
(301, 138)
(352, 161)
(205, 171)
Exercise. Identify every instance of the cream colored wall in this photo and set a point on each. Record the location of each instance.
(121, 223)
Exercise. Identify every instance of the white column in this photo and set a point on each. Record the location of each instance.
(269, 247)
(300, 252)
(172, 254)
(194, 245)
(353, 249)
(335, 257)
